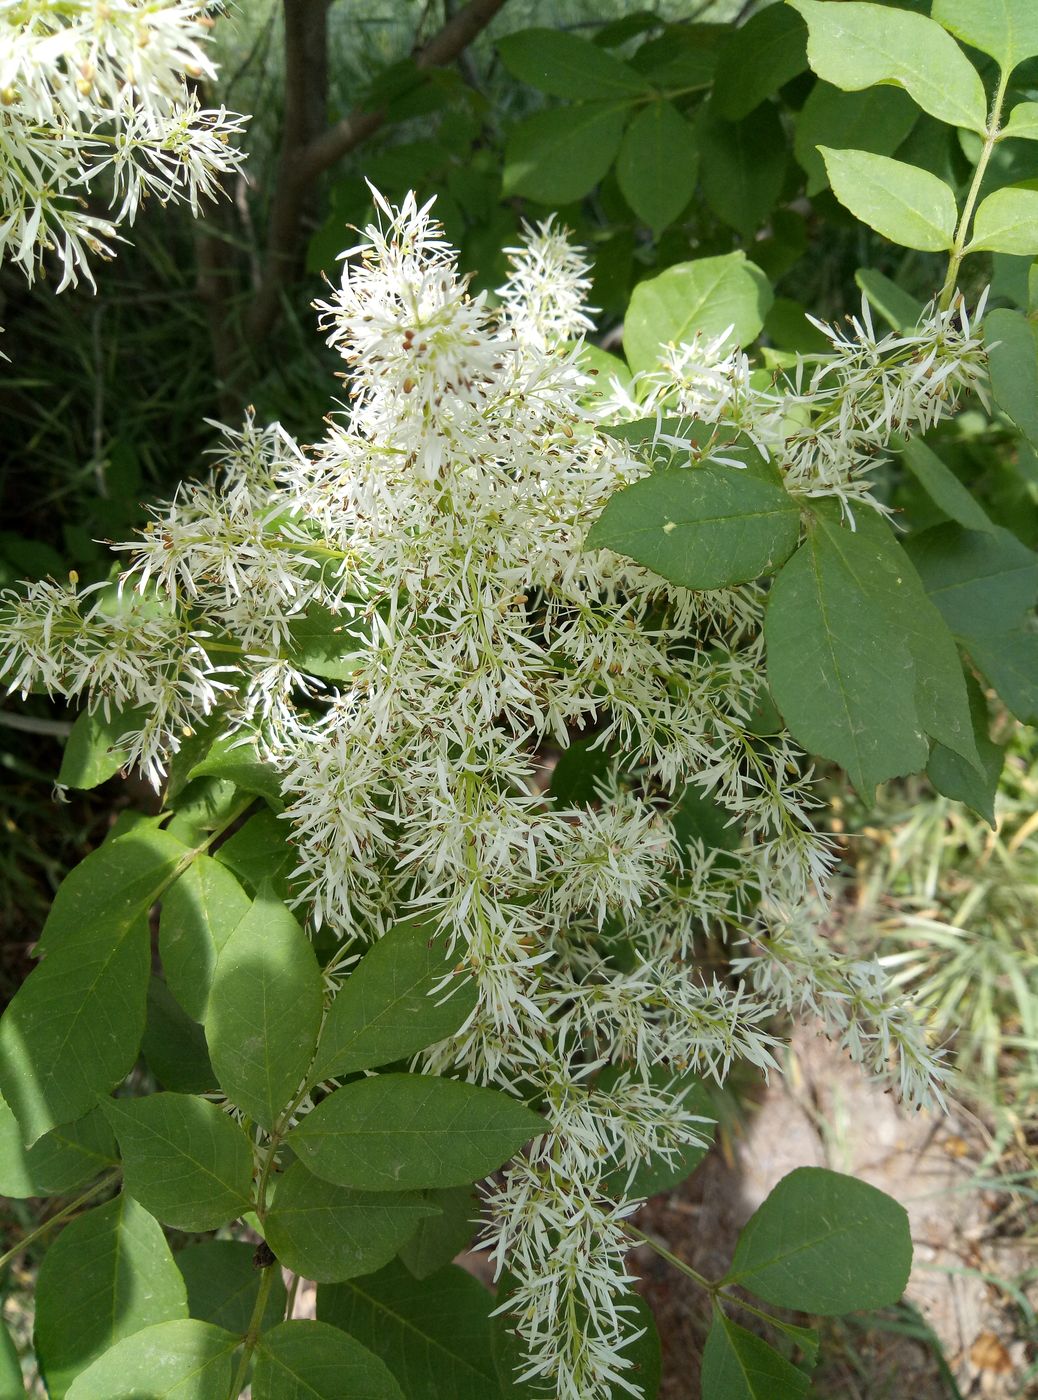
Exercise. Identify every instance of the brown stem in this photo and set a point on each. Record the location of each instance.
(303, 160)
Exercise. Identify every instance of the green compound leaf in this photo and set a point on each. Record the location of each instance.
(200, 911)
(1013, 364)
(435, 1336)
(877, 119)
(658, 164)
(708, 296)
(74, 1027)
(761, 56)
(564, 65)
(1005, 29)
(1007, 222)
(824, 1243)
(264, 1011)
(903, 203)
(740, 1366)
(959, 780)
(854, 46)
(559, 156)
(943, 487)
(184, 1160)
(56, 1163)
(223, 1284)
(1023, 122)
(388, 1006)
(442, 1237)
(410, 1131)
(107, 1275)
(701, 527)
(329, 1233)
(93, 753)
(186, 1360)
(304, 1360)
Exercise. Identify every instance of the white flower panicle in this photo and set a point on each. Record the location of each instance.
(99, 92)
(828, 421)
(433, 545)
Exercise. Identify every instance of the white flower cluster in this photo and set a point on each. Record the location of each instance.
(99, 91)
(826, 424)
(438, 532)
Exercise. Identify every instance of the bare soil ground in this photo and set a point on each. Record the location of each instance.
(972, 1245)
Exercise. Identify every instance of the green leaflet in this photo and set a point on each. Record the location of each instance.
(1013, 364)
(184, 1160)
(960, 780)
(902, 202)
(859, 666)
(983, 583)
(1023, 122)
(738, 1365)
(1010, 662)
(824, 1243)
(74, 1027)
(565, 65)
(559, 155)
(1007, 222)
(200, 911)
(703, 527)
(708, 295)
(892, 302)
(259, 854)
(114, 886)
(944, 487)
(387, 1008)
(223, 1283)
(174, 1045)
(304, 1360)
(744, 166)
(93, 753)
(757, 59)
(434, 1335)
(181, 1360)
(441, 1237)
(235, 759)
(407, 1131)
(877, 119)
(1005, 29)
(107, 1275)
(329, 1233)
(58, 1162)
(264, 1010)
(12, 1386)
(657, 164)
(854, 45)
